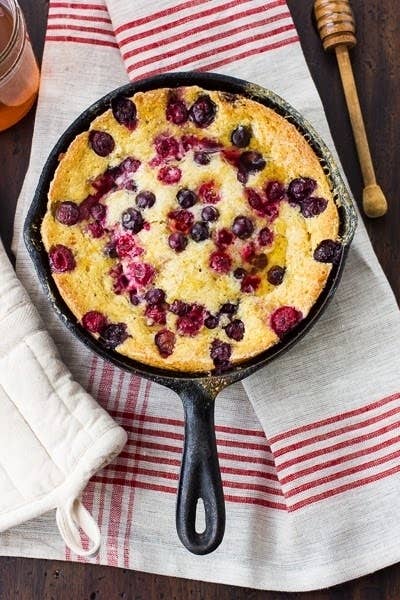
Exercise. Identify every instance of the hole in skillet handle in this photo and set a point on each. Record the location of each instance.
(200, 474)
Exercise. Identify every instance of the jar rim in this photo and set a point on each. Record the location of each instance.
(16, 18)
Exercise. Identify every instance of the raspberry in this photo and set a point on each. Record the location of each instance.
(283, 319)
(61, 259)
(220, 262)
(94, 321)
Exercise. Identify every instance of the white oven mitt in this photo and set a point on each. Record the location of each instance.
(53, 435)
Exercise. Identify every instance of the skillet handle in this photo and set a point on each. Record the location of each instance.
(200, 475)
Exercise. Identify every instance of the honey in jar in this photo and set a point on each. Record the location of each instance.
(19, 73)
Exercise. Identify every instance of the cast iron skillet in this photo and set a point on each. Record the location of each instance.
(200, 474)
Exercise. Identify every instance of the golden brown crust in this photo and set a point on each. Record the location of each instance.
(187, 275)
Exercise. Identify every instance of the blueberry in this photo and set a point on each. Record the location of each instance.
(211, 321)
(220, 353)
(228, 308)
(134, 298)
(275, 275)
(180, 308)
(177, 241)
(124, 111)
(312, 207)
(101, 142)
(155, 296)
(328, 251)
(110, 250)
(239, 273)
(202, 158)
(186, 198)
(165, 342)
(301, 188)
(113, 335)
(251, 162)
(132, 219)
(67, 213)
(242, 227)
(199, 232)
(274, 191)
(241, 136)
(203, 111)
(209, 213)
(235, 330)
(145, 199)
(259, 261)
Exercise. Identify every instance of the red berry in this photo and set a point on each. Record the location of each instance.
(94, 321)
(176, 111)
(220, 262)
(167, 147)
(208, 193)
(126, 246)
(67, 213)
(156, 315)
(254, 199)
(274, 191)
(141, 273)
(284, 318)
(192, 321)
(248, 252)
(223, 237)
(250, 283)
(165, 342)
(181, 220)
(265, 237)
(95, 229)
(86, 205)
(61, 259)
(169, 174)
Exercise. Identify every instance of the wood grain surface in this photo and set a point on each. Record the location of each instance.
(376, 67)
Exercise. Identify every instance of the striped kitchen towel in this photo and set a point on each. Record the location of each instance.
(309, 447)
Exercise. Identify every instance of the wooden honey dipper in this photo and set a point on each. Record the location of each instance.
(335, 22)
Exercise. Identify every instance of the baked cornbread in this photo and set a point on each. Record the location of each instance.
(190, 229)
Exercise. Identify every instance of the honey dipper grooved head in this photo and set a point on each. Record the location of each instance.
(335, 22)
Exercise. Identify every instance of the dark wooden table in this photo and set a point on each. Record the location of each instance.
(376, 67)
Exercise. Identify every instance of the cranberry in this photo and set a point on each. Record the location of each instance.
(248, 252)
(328, 251)
(224, 237)
(86, 205)
(235, 330)
(242, 227)
(169, 174)
(98, 212)
(181, 220)
(265, 237)
(251, 162)
(134, 298)
(241, 136)
(155, 314)
(142, 273)
(228, 308)
(220, 353)
(132, 220)
(239, 273)
(113, 335)
(284, 318)
(312, 206)
(220, 262)
(192, 322)
(275, 275)
(211, 321)
(202, 158)
(165, 342)
(250, 283)
(254, 199)
(203, 111)
(145, 199)
(176, 112)
(94, 321)
(186, 198)
(199, 232)
(167, 147)
(177, 241)
(179, 308)
(95, 229)
(124, 111)
(67, 213)
(301, 188)
(101, 142)
(155, 296)
(209, 213)
(208, 193)
(274, 191)
(259, 261)
(110, 250)
(61, 259)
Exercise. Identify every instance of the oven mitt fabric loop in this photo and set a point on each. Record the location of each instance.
(53, 435)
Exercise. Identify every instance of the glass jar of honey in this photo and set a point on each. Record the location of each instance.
(19, 73)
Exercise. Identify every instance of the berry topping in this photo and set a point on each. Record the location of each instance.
(104, 182)
(165, 342)
(186, 198)
(202, 158)
(176, 112)
(209, 213)
(98, 211)
(179, 308)
(250, 283)
(167, 147)
(110, 250)
(141, 273)
(192, 321)
(239, 273)
(177, 241)
(126, 246)
(181, 220)
(265, 237)
(328, 251)
(259, 261)
(101, 142)
(94, 321)
(85, 206)
(251, 162)
(274, 191)
(271, 210)
(284, 319)
(67, 213)
(312, 206)
(145, 199)
(95, 229)
(248, 252)
(155, 296)
(132, 220)
(301, 188)
(220, 353)
(203, 111)
(235, 330)
(255, 200)
(224, 237)
(275, 275)
(155, 314)
(242, 227)
(113, 335)
(241, 136)
(228, 308)
(120, 281)
(220, 262)
(61, 259)
(199, 232)
(169, 174)
(211, 321)
(124, 111)
(134, 298)
(208, 193)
